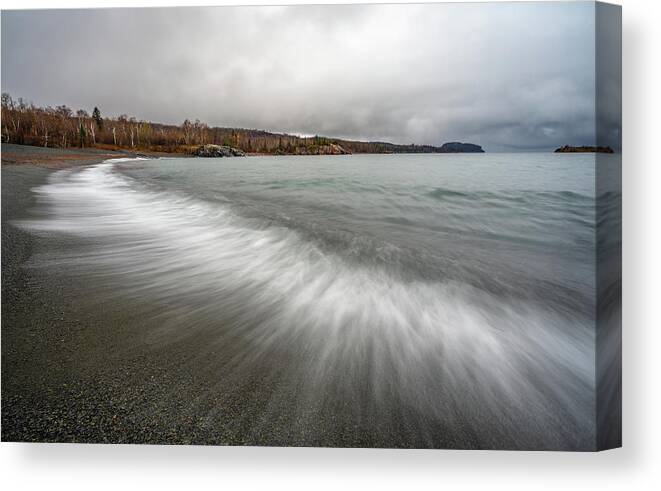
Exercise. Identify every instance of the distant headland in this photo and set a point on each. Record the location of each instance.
(583, 149)
(456, 147)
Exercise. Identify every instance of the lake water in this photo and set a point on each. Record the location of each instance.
(421, 300)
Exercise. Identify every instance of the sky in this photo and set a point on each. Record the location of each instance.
(507, 76)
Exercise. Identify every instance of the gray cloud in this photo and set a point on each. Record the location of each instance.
(509, 76)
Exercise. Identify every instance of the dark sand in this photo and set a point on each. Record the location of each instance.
(84, 361)
(56, 158)
(76, 368)
(80, 365)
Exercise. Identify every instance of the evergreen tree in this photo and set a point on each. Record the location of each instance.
(96, 116)
(82, 134)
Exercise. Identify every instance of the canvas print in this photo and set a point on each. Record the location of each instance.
(386, 226)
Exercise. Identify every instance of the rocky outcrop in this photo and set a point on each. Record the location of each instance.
(217, 151)
(329, 149)
(583, 149)
(457, 147)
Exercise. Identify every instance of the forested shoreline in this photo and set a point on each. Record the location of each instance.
(24, 123)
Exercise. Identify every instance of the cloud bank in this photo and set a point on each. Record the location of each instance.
(508, 76)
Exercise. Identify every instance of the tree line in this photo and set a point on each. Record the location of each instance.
(61, 127)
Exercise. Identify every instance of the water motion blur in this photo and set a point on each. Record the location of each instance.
(371, 300)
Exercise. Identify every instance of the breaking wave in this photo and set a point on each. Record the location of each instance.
(456, 363)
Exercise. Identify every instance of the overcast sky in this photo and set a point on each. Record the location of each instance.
(508, 76)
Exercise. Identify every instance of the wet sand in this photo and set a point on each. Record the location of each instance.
(57, 158)
(81, 365)
(76, 368)
(86, 358)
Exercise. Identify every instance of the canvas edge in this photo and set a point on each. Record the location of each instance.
(608, 226)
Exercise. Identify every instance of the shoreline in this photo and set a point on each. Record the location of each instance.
(80, 366)
(57, 158)
(92, 361)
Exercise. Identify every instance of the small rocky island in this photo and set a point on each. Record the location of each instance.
(217, 151)
(457, 147)
(583, 149)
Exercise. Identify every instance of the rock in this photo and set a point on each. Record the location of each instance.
(583, 149)
(217, 151)
(457, 147)
(326, 149)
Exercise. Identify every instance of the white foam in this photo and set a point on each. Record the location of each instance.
(475, 349)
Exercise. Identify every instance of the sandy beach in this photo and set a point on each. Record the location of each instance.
(58, 158)
(73, 371)
(81, 366)
(144, 304)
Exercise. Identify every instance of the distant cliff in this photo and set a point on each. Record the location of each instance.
(583, 149)
(456, 147)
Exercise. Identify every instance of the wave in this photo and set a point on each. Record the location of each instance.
(515, 197)
(442, 193)
(482, 369)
